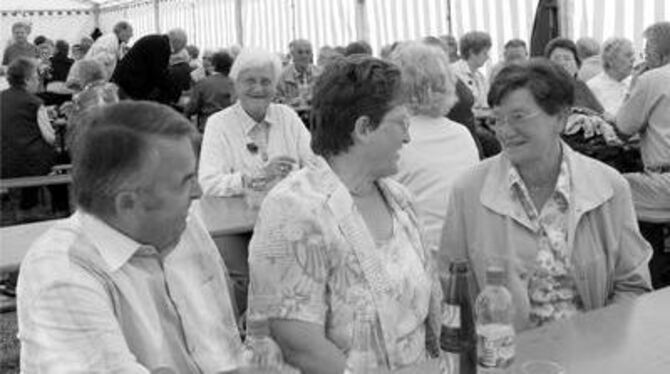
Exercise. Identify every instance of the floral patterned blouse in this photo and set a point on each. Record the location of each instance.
(552, 291)
(312, 259)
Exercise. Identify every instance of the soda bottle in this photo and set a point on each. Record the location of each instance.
(458, 338)
(495, 329)
(260, 353)
(367, 354)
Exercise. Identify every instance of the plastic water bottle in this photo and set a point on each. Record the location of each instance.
(458, 339)
(367, 354)
(260, 352)
(495, 329)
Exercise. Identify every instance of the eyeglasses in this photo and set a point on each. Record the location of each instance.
(517, 117)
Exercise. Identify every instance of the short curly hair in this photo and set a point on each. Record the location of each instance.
(551, 86)
(564, 43)
(659, 35)
(612, 48)
(349, 88)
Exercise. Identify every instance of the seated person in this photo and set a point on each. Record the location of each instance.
(647, 112)
(214, 92)
(131, 282)
(339, 235)
(563, 51)
(27, 134)
(295, 83)
(440, 149)
(611, 85)
(254, 136)
(475, 46)
(561, 223)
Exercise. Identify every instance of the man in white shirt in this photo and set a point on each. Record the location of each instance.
(132, 282)
(475, 46)
(110, 48)
(611, 85)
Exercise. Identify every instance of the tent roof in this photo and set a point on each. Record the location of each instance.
(19, 5)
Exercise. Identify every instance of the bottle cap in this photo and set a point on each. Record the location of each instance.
(495, 275)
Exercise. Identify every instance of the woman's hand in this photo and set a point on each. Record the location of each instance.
(279, 167)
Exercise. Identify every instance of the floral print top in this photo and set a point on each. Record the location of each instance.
(552, 290)
(312, 259)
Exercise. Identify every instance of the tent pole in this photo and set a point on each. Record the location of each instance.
(238, 23)
(157, 24)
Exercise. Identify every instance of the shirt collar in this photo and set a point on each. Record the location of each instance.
(248, 123)
(562, 188)
(115, 247)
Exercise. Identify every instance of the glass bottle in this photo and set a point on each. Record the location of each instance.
(495, 329)
(367, 354)
(260, 352)
(458, 339)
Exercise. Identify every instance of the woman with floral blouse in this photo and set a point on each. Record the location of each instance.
(339, 235)
(562, 223)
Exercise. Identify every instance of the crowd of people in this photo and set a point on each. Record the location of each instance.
(377, 174)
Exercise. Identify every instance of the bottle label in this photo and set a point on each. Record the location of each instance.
(451, 316)
(495, 345)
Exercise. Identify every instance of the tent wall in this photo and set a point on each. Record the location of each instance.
(603, 19)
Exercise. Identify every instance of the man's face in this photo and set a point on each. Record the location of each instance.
(302, 54)
(515, 55)
(20, 34)
(653, 56)
(126, 34)
(171, 185)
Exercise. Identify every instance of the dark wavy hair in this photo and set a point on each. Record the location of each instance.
(551, 86)
(564, 43)
(349, 88)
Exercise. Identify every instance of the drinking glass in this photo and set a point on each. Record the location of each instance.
(542, 367)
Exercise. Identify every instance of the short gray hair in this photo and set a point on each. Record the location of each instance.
(84, 72)
(426, 76)
(612, 48)
(111, 144)
(21, 25)
(178, 39)
(659, 34)
(250, 58)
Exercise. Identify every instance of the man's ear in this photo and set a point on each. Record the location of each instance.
(362, 129)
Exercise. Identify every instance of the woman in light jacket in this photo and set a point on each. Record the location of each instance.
(562, 224)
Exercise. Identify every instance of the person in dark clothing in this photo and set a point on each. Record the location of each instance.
(60, 62)
(144, 69)
(25, 137)
(214, 92)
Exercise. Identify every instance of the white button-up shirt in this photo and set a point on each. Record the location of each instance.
(91, 299)
(226, 153)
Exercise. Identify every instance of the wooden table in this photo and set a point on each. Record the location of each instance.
(225, 218)
(624, 338)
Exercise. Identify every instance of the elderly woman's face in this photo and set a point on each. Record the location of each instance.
(523, 128)
(386, 141)
(256, 88)
(566, 59)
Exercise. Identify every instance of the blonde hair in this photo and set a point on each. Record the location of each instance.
(426, 76)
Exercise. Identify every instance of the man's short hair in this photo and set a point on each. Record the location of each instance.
(659, 34)
(360, 47)
(178, 39)
(121, 26)
(515, 43)
(563, 43)
(474, 42)
(221, 62)
(110, 146)
(21, 25)
(297, 42)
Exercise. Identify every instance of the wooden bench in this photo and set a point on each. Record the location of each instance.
(36, 181)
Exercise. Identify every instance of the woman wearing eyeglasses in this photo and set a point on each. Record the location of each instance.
(562, 224)
(339, 237)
